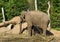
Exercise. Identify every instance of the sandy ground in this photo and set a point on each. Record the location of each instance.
(55, 32)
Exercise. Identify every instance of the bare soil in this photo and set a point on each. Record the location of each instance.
(56, 34)
(6, 37)
(37, 38)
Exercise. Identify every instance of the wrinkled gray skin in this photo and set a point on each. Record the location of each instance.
(36, 18)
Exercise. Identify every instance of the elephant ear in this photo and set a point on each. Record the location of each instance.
(23, 13)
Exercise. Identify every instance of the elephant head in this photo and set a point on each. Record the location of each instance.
(23, 13)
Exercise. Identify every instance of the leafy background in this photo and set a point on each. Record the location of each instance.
(14, 7)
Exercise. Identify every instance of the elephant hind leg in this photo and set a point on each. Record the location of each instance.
(44, 29)
(33, 32)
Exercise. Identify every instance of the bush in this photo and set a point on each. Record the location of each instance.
(14, 7)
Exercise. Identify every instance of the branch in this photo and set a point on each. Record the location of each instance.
(3, 14)
(35, 4)
(48, 8)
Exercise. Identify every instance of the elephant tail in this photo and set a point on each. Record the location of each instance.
(48, 24)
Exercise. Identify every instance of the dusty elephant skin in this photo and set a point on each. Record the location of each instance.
(36, 18)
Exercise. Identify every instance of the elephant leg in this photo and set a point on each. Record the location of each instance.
(29, 28)
(30, 31)
(33, 33)
(20, 28)
(44, 30)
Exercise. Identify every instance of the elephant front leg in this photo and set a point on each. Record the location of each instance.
(29, 29)
(20, 28)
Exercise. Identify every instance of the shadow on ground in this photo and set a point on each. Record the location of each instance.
(34, 38)
(39, 31)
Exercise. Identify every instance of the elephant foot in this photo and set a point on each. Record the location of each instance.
(43, 35)
(20, 33)
(29, 34)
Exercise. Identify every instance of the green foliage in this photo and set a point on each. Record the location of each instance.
(55, 14)
(14, 7)
(58, 29)
(42, 5)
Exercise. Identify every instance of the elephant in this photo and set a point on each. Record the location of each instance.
(35, 18)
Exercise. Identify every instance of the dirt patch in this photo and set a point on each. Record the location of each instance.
(24, 38)
(21, 38)
(56, 34)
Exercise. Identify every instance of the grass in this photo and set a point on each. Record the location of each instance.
(56, 29)
(21, 38)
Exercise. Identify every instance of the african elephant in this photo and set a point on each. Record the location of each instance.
(35, 18)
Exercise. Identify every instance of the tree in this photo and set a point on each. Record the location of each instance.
(14, 7)
(48, 11)
(30, 4)
(55, 13)
(35, 4)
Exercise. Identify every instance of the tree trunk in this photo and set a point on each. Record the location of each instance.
(48, 14)
(3, 14)
(31, 4)
(36, 5)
